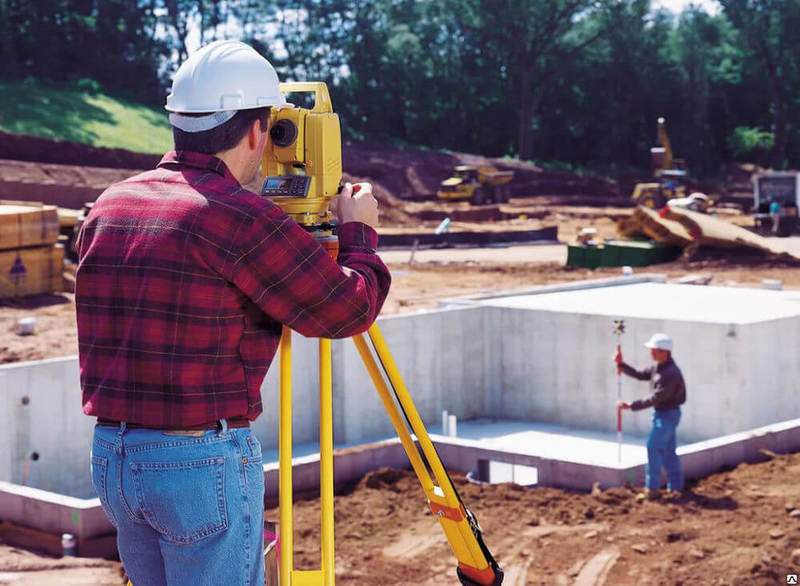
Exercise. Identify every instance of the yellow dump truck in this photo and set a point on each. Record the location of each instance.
(478, 185)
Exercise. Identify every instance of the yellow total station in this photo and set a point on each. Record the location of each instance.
(302, 164)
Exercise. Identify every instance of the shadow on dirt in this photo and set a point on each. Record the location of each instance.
(35, 301)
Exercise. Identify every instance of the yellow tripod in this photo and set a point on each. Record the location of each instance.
(302, 171)
(476, 566)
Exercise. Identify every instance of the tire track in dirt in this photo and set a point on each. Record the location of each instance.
(595, 571)
(516, 571)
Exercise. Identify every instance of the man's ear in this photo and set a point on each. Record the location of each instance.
(254, 134)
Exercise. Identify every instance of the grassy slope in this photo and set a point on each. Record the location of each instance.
(68, 114)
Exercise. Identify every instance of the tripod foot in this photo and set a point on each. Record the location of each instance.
(494, 577)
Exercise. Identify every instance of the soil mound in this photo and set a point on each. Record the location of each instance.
(411, 173)
(21, 147)
(69, 174)
(383, 478)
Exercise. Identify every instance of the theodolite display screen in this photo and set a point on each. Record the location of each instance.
(286, 186)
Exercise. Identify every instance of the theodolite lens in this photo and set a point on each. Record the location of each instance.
(283, 133)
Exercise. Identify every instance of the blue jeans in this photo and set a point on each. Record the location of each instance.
(189, 509)
(661, 446)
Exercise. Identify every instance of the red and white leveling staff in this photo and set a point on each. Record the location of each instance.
(619, 329)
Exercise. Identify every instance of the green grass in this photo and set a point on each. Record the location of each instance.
(64, 113)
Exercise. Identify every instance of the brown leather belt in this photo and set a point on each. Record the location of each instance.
(233, 422)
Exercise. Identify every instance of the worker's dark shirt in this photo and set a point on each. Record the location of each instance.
(183, 283)
(666, 385)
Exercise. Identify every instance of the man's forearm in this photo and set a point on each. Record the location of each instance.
(633, 373)
(640, 404)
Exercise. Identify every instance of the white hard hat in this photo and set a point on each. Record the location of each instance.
(659, 341)
(220, 79)
(698, 195)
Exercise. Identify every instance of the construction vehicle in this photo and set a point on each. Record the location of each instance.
(776, 200)
(669, 172)
(478, 185)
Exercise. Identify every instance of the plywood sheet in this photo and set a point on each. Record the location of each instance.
(711, 231)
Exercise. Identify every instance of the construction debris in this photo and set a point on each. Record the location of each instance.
(25, 326)
(694, 280)
(691, 230)
(646, 222)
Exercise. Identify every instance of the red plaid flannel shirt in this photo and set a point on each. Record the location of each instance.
(184, 280)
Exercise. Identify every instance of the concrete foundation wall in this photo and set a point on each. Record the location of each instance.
(42, 413)
(769, 360)
(479, 359)
(441, 355)
(557, 367)
(554, 363)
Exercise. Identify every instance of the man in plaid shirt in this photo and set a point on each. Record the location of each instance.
(184, 280)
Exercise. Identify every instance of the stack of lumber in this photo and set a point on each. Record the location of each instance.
(31, 261)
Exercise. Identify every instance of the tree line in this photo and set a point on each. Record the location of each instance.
(575, 82)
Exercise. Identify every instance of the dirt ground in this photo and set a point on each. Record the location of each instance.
(738, 527)
(415, 287)
(22, 567)
(733, 528)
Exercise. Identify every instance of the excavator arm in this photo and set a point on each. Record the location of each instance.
(663, 141)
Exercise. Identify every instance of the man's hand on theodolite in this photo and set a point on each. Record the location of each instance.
(356, 204)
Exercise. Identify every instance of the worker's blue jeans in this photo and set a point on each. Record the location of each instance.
(188, 509)
(661, 446)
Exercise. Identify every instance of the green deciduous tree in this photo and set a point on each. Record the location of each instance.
(576, 81)
(771, 32)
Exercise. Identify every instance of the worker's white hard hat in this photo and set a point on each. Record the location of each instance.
(659, 341)
(220, 79)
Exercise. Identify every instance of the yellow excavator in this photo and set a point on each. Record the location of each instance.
(670, 174)
(478, 185)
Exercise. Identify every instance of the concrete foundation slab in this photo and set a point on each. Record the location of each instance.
(665, 301)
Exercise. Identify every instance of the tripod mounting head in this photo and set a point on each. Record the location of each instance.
(302, 163)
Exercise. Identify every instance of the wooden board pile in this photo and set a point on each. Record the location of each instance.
(31, 261)
(691, 230)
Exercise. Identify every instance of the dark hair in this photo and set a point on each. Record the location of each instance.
(222, 138)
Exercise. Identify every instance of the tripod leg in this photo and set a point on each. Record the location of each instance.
(476, 564)
(288, 575)
(411, 413)
(402, 431)
(285, 457)
(326, 460)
